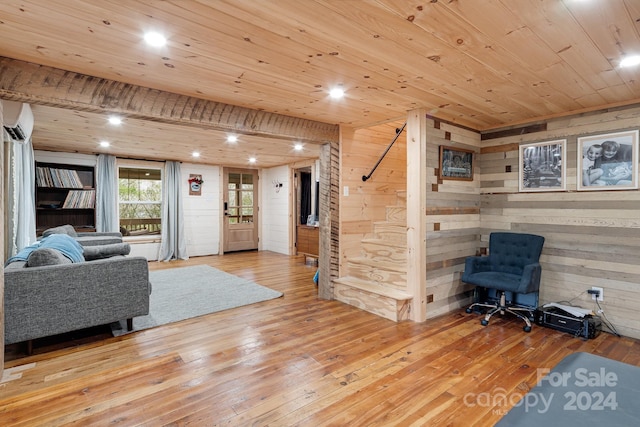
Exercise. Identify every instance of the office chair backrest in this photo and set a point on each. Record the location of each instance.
(510, 252)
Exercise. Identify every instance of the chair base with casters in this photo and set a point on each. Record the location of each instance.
(502, 308)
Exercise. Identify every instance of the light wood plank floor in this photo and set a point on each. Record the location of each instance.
(296, 360)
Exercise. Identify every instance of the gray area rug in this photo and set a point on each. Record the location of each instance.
(582, 390)
(186, 292)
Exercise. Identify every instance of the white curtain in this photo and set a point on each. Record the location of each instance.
(106, 194)
(21, 209)
(174, 244)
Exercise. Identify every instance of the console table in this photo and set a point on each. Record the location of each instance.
(308, 242)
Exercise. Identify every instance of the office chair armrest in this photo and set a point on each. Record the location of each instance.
(530, 281)
(475, 264)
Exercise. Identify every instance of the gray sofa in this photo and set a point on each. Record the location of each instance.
(46, 300)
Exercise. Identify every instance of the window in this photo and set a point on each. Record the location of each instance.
(240, 195)
(140, 200)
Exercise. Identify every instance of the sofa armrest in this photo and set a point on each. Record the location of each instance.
(49, 300)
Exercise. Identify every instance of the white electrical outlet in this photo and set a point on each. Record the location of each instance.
(600, 296)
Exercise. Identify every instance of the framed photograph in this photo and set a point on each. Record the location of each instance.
(608, 161)
(455, 163)
(542, 166)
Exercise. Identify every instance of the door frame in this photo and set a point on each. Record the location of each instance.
(294, 213)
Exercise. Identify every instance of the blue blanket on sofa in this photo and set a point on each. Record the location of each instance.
(67, 245)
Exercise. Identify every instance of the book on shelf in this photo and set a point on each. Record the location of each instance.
(80, 199)
(57, 178)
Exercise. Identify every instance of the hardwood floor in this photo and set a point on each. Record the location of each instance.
(296, 360)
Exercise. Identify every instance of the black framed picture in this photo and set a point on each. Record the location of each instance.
(455, 163)
(542, 166)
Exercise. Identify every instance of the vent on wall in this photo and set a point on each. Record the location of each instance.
(18, 120)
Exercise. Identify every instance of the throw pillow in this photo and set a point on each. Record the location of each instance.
(63, 229)
(106, 251)
(46, 256)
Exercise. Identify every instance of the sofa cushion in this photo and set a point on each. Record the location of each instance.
(63, 229)
(106, 251)
(46, 256)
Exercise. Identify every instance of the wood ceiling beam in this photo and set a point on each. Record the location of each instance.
(38, 84)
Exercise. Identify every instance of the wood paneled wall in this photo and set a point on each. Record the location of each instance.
(453, 220)
(329, 261)
(275, 226)
(202, 214)
(4, 230)
(359, 151)
(592, 238)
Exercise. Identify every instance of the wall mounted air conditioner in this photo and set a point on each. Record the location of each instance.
(18, 120)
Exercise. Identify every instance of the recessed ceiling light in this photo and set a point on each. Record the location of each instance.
(115, 120)
(252, 160)
(630, 61)
(297, 147)
(155, 39)
(104, 143)
(336, 93)
(195, 154)
(232, 138)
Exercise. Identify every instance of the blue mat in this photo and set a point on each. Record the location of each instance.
(581, 390)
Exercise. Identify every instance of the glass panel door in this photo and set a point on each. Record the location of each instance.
(240, 228)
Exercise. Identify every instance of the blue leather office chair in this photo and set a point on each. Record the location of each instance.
(512, 268)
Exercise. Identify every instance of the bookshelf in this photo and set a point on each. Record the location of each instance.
(65, 194)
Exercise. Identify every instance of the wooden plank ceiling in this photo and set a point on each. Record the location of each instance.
(484, 64)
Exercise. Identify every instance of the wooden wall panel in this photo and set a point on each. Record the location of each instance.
(4, 233)
(366, 203)
(453, 221)
(329, 210)
(592, 237)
